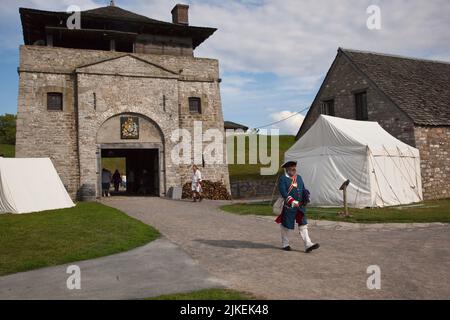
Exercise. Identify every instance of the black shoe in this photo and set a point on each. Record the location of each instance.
(288, 248)
(313, 247)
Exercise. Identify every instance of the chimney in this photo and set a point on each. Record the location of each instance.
(180, 14)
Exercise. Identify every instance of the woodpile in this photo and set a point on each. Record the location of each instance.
(211, 190)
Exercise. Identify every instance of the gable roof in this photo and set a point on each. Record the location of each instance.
(418, 87)
(114, 12)
(234, 125)
(421, 88)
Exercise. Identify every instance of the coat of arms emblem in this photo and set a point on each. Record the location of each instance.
(129, 127)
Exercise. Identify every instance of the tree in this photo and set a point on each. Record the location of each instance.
(8, 128)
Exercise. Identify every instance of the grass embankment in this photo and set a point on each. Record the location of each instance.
(8, 150)
(49, 238)
(427, 211)
(252, 171)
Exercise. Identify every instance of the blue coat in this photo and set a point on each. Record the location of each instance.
(290, 215)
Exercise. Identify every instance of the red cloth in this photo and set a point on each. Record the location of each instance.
(298, 217)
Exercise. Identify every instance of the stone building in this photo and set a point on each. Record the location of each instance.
(410, 98)
(116, 87)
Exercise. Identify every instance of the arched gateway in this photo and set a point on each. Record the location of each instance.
(139, 142)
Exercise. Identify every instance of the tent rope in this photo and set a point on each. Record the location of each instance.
(414, 169)
(399, 169)
(376, 179)
(357, 190)
(390, 186)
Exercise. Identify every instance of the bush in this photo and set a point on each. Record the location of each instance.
(8, 129)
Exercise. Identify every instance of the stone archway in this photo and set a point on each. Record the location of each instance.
(144, 153)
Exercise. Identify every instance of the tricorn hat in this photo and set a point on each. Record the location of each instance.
(288, 164)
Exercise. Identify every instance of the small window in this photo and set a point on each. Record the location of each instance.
(361, 106)
(195, 105)
(327, 107)
(54, 101)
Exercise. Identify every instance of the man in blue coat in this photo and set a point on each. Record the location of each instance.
(292, 189)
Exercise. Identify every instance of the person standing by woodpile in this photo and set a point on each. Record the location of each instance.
(196, 184)
(296, 197)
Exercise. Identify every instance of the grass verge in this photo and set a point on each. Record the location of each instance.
(427, 211)
(54, 237)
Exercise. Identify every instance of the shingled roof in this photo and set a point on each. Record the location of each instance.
(420, 88)
(35, 21)
(117, 13)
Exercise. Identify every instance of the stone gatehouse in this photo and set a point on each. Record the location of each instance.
(117, 87)
(409, 98)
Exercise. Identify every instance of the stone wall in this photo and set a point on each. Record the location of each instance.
(251, 189)
(434, 146)
(52, 134)
(342, 83)
(98, 85)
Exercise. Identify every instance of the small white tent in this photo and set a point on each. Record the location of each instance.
(382, 170)
(31, 185)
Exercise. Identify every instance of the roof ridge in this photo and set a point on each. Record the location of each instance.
(131, 13)
(393, 55)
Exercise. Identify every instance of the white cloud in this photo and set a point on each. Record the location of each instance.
(299, 39)
(294, 41)
(289, 126)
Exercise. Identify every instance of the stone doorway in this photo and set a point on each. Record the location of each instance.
(139, 168)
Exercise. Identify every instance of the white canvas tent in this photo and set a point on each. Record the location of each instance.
(382, 170)
(31, 185)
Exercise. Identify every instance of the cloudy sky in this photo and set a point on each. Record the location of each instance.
(274, 53)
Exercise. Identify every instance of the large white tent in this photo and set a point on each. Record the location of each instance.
(382, 170)
(31, 185)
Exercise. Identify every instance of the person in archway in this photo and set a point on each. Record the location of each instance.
(196, 186)
(106, 182)
(296, 197)
(117, 180)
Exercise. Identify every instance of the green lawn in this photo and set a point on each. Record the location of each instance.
(7, 150)
(427, 211)
(114, 163)
(207, 294)
(87, 231)
(252, 171)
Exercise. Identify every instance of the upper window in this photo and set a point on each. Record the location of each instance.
(327, 107)
(54, 101)
(361, 106)
(195, 105)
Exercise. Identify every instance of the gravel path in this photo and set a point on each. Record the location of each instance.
(244, 251)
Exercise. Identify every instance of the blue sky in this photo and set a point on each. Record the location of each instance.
(273, 54)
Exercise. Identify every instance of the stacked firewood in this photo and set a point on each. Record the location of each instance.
(210, 190)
